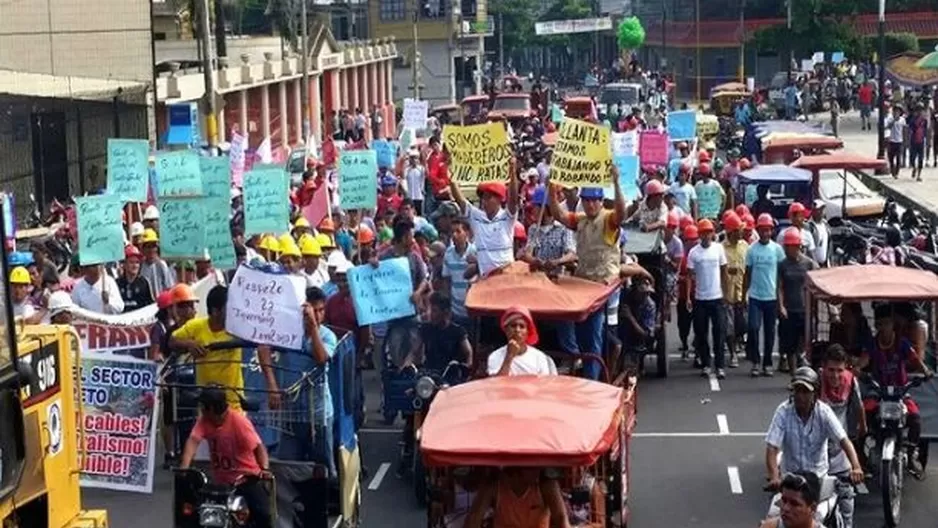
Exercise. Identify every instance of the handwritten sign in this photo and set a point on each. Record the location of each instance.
(119, 402)
(624, 143)
(709, 200)
(406, 139)
(216, 177)
(179, 173)
(266, 201)
(236, 155)
(478, 153)
(383, 293)
(358, 179)
(217, 235)
(182, 229)
(128, 168)
(266, 308)
(582, 156)
(415, 113)
(628, 175)
(100, 235)
(653, 148)
(385, 152)
(837, 57)
(682, 125)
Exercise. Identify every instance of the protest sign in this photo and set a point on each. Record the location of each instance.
(217, 235)
(682, 125)
(179, 173)
(182, 229)
(239, 144)
(624, 143)
(266, 308)
(358, 179)
(406, 139)
(837, 57)
(216, 177)
(128, 168)
(103, 338)
(478, 153)
(709, 200)
(807, 65)
(653, 148)
(415, 113)
(383, 293)
(628, 174)
(318, 207)
(100, 235)
(266, 200)
(818, 57)
(385, 152)
(582, 155)
(119, 402)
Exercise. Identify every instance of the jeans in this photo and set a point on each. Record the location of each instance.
(894, 154)
(566, 337)
(845, 498)
(685, 318)
(590, 337)
(709, 313)
(761, 313)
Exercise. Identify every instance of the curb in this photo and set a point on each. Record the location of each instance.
(876, 184)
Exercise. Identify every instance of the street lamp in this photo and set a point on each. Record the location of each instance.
(881, 91)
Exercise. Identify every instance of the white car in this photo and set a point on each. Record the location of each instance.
(861, 201)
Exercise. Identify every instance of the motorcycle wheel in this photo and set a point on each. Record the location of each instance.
(420, 478)
(890, 480)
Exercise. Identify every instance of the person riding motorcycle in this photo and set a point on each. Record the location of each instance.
(520, 496)
(801, 492)
(801, 430)
(236, 451)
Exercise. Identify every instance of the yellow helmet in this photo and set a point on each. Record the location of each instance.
(309, 247)
(269, 242)
(325, 241)
(288, 248)
(301, 222)
(150, 236)
(285, 239)
(19, 275)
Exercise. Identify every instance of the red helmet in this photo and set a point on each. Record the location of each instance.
(654, 187)
(742, 210)
(705, 226)
(164, 299)
(765, 220)
(520, 232)
(685, 221)
(685, 167)
(690, 232)
(674, 220)
(704, 168)
(732, 222)
(791, 237)
(796, 208)
(749, 221)
(131, 251)
(703, 156)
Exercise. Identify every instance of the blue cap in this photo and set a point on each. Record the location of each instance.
(540, 196)
(591, 193)
(388, 181)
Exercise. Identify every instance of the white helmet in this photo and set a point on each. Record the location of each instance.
(59, 302)
(136, 229)
(151, 213)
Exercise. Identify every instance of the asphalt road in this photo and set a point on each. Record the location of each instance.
(697, 461)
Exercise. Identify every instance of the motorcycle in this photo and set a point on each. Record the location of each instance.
(827, 514)
(197, 503)
(891, 449)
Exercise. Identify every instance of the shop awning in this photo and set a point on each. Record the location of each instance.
(27, 84)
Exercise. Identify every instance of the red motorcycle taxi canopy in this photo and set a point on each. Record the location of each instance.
(539, 421)
(872, 282)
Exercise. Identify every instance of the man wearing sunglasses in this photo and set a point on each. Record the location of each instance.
(800, 494)
(801, 430)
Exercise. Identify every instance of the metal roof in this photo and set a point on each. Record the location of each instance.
(27, 84)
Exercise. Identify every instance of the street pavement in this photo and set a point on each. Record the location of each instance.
(697, 461)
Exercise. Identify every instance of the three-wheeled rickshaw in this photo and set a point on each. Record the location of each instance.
(841, 294)
(649, 250)
(779, 141)
(559, 429)
(783, 185)
(303, 492)
(724, 97)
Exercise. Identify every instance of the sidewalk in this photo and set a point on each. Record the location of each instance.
(922, 196)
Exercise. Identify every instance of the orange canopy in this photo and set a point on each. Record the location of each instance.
(838, 160)
(803, 143)
(522, 421)
(566, 299)
(873, 282)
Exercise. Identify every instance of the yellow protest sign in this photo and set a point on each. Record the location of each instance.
(581, 155)
(477, 153)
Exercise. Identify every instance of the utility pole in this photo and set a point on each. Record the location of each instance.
(304, 63)
(415, 58)
(501, 41)
(742, 41)
(221, 44)
(208, 71)
(791, 43)
(664, 37)
(697, 13)
(881, 92)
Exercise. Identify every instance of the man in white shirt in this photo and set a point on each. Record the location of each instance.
(493, 226)
(706, 265)
(97, 292)
(895, 136)
(519, 357)
(821, 233)
(415, 175)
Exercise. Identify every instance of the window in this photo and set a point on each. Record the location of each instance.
(392, 9)
(433, 9)
(468, 9)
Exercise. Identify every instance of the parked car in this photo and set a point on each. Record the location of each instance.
(861, 201)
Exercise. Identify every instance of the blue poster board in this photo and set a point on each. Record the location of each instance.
(682, 125)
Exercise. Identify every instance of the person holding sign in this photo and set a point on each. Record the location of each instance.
(97, 292)
(597, 241)
(493, 226)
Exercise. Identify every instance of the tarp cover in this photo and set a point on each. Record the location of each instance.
(837, 160)
(802, 142)
(567, 298)
(873, 282)
(522, 421)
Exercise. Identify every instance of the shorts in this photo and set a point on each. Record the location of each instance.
(791, 332)
(865, 110)
(735, 321)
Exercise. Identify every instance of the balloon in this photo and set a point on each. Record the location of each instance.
(631, 34)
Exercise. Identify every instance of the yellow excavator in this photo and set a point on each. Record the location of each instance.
(39, 437)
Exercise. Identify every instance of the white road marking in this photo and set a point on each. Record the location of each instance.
(714, 384)
(862, 489)
(379, 430)
(696, 435)
(736, 486)
(379, 476)
(723, 424)
(338, 522)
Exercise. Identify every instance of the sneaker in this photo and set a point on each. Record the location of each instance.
(697, 363)
(754, 373)
(705, 372)
(768, 372)
(733, 361)
(721, 374)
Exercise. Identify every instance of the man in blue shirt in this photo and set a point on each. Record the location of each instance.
(303, 381)
(761, 281)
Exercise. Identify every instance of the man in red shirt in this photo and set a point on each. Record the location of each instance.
(236, 451)
(438, 176)
(865, 101)
(389, 199)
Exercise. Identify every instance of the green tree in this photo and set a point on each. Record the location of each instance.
(518, 18)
